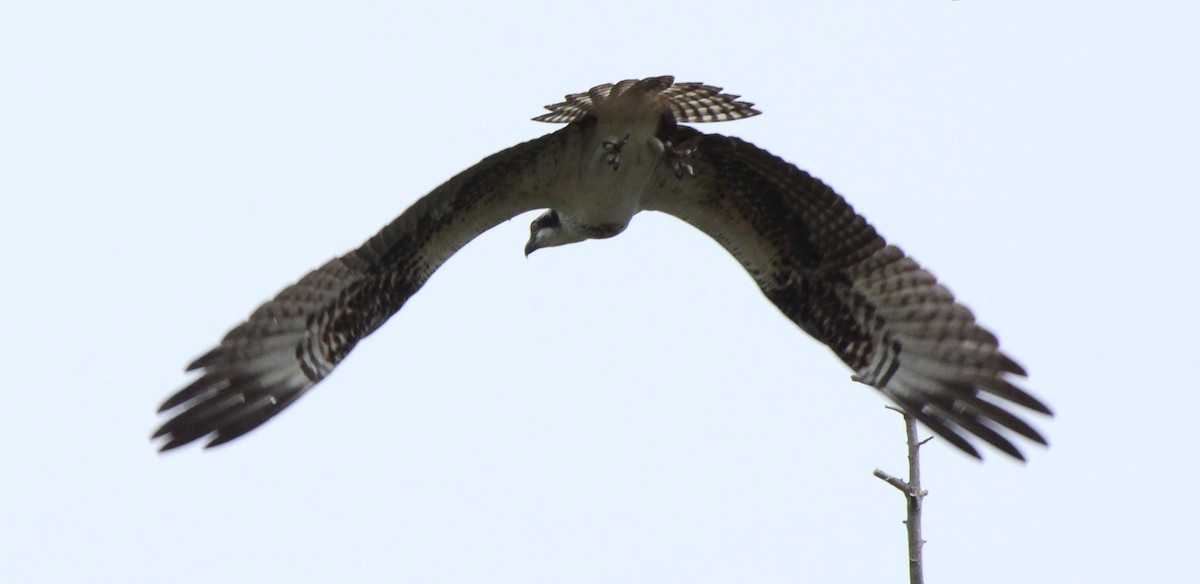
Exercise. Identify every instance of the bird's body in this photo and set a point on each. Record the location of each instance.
(623, 151)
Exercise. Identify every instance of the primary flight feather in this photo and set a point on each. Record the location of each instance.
(624, 150)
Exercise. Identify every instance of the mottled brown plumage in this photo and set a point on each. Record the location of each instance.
(623, 151)
(832, 274)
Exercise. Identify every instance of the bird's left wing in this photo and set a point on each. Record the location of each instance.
(828, 270)
(292, 342)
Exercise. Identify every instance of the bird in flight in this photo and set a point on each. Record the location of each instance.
(626, 148)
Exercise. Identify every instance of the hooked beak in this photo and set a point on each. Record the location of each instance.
(545, 223)
(535, 242)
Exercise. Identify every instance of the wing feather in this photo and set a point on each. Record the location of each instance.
(292, 342)
(830, 272)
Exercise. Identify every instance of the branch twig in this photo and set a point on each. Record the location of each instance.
(913, 495)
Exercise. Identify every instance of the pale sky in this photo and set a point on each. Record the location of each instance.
(627, 410)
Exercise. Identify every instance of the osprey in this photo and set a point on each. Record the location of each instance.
(624, 150)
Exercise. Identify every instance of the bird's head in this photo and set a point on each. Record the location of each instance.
(550, 230)
(547, 231)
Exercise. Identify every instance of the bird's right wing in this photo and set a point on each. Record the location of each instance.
(828, 270)
(292, 342)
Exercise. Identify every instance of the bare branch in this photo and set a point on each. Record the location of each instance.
(913, 495)
(891, 480)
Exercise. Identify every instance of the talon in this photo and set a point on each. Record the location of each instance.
(677, 160)
(614, 151)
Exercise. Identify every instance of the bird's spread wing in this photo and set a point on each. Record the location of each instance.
(292, 342)
(828, 270)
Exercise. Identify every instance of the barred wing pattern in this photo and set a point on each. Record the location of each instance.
(822, 265)
(688, 103)
(890, 320)
(292, 342)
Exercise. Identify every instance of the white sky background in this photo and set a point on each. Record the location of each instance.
(629, 410)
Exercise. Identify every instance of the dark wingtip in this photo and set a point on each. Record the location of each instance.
(1008, 448)
(1007, 364)
(160, 432)
(203, 385)
(968, 449)
(1002, 388)
(170, 445)
(937, 427)
(172, 436)
(205, 359)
